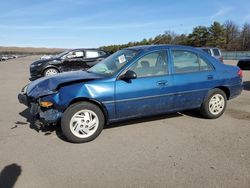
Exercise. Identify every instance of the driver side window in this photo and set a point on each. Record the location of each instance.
(153, 64)
(75, 54)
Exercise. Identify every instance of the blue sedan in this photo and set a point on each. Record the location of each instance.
(134, 82)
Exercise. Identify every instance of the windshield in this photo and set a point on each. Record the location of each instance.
(113, 64)
(61, 54)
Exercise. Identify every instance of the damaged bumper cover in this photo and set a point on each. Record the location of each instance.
(45, 115)
(23, 99)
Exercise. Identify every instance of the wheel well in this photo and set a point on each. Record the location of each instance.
(50, 68)
(97, 103)
(226, 90)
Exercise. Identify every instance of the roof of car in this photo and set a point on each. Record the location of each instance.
(158, 47)
(208, 48)
(87, 49)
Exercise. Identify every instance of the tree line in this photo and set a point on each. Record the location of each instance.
(227, 36)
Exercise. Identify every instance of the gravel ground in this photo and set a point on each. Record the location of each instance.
(175, 150)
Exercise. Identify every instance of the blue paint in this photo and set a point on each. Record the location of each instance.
(141, 96)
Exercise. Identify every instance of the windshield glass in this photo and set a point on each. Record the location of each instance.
(62, 54)
(113, 64)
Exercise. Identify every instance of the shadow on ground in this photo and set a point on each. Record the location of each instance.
(246, 85)
(37, 125)
(48, 129)
(9, 175)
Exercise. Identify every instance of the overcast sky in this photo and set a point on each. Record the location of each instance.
(79, 23)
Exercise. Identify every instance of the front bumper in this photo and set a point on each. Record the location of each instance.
(35, 73)
(23, 99)
(45, 115)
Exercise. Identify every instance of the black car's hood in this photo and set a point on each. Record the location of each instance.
(45, 60)
(48, 85)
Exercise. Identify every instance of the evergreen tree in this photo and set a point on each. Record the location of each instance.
(199, 37)
(217, 35)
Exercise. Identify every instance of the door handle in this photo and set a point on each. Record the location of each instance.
(210, 77)
(162, 83)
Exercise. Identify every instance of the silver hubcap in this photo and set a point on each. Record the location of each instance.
(216, 104)
(50, 72)
(84, 123)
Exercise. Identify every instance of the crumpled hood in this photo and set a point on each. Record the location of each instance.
(48, 85)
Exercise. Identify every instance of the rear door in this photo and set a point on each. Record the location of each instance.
(193, 77)
(151, 92)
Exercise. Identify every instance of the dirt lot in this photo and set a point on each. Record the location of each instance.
(176, 150)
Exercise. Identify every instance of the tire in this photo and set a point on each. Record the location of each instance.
(50, 71)
(82, 122)
(214, 104)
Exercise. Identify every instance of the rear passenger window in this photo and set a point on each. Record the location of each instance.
(91, 54)
(204, 66)
(185, 62)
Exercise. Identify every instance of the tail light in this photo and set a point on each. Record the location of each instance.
(221, 58)
(240, 73)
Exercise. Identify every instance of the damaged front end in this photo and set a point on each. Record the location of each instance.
(43, 95)
(46, 114)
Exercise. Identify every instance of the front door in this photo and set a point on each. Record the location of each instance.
(150, 93)
(73, 61)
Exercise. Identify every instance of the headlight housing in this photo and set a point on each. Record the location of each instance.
(24, 90)
(35, 65)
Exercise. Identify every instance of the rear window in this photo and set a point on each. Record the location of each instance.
(216, 52)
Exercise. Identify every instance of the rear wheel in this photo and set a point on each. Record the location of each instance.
(82, 122)
(214, 104)
(50, 71)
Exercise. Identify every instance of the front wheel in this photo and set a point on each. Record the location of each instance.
(214, 104)
(82, 122)
(50, 71)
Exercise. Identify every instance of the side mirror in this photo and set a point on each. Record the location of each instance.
(128, 75)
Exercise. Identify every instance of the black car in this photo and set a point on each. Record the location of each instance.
(76, 59)
(244, 64)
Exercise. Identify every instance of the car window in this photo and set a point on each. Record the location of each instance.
(101, 53)
(204, 65)
(216, 52)
(152, 64)
(207, 51)
(91, 54)
(114, 63)
(75, 54)
(185, 61)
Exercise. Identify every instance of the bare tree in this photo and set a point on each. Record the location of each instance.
(245, 37)
(231, 35)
